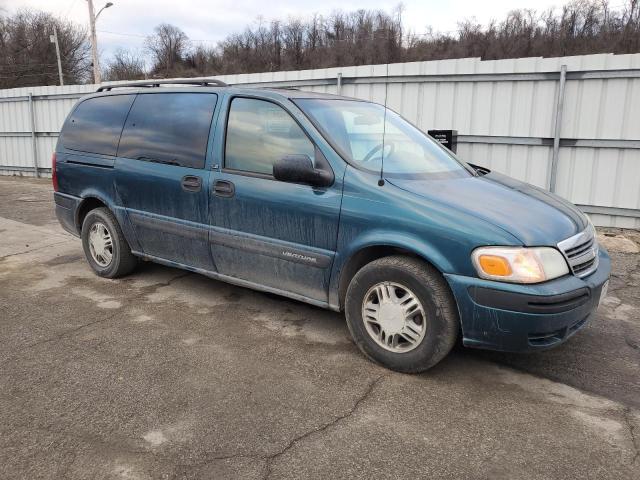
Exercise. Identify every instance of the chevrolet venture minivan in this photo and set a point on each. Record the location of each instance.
(333, 201)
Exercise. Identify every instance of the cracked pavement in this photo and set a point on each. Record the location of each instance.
(167, 374)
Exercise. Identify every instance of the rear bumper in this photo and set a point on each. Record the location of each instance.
(520, 318)
(66, 209)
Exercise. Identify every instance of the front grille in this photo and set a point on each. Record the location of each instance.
(584, 267)
(581, 252)
(580, 249)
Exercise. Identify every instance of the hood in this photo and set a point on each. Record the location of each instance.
(534, 216)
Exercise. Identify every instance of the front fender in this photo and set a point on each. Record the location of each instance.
(374, 215)
(383, 238)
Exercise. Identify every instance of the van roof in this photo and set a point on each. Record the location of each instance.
(269, 92)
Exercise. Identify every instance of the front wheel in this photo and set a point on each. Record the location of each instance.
(401, 313)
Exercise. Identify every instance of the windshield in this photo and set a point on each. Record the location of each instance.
(356, 129)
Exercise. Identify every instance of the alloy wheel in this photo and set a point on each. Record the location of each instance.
(394, 317)
(100, 244)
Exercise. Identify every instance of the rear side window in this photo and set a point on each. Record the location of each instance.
(171, 128)
(95, 125)
(259, 133)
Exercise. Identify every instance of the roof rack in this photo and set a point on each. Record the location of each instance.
(157, 83)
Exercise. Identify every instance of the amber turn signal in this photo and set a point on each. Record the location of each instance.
(493, 265)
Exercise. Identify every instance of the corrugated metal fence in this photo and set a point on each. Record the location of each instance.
(568, 124)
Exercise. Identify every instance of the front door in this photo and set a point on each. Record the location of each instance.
(161, 177)
(271, 233)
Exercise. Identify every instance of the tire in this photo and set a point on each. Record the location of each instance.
(438, 314)
(122, 261)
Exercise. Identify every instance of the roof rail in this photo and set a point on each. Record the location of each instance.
(157, 83)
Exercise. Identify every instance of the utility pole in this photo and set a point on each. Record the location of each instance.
(94, 43)
(54, 39)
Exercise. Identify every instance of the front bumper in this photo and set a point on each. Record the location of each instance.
(520, 318)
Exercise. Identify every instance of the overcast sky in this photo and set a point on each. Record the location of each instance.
(210, 20)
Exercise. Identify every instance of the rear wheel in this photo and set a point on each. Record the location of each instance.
(104, 245)
(401, 313)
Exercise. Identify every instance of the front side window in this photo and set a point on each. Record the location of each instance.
(364, 134)
(95, 125)
(259, 133)
(170, 128)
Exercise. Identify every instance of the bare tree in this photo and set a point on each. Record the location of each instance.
(168, 47)
(27, 57)
(371, 36)
(125, 66)
(342, 38)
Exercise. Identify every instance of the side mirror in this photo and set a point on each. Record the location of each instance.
(299, 169)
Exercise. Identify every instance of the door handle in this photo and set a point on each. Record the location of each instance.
(224, 188)
(191, 183)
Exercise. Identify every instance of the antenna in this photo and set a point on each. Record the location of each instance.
(384, 127)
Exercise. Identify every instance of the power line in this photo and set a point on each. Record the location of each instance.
(73, 3)
(364, 37)
(137, 35)
(123, 34)
(333, 40)
(44, 74)
(12, 65)
(36, 41)
(20, 72)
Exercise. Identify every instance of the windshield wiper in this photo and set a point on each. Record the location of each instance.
(480, 171)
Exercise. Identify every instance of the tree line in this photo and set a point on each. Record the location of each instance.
(27, 56)
(340, 39)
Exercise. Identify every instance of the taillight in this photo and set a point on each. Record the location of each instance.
(54, 172)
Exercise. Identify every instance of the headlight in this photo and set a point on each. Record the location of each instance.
(519, 264)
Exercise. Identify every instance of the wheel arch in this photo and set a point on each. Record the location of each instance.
(367, 252)
(96, 198)
(88, 203)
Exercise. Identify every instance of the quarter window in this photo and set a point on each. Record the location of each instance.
(259, 133)
(171, 128)
(95, 125)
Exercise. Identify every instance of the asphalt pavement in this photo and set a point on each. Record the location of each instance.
(168, 374)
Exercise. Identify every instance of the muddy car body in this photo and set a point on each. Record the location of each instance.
(333, 201)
